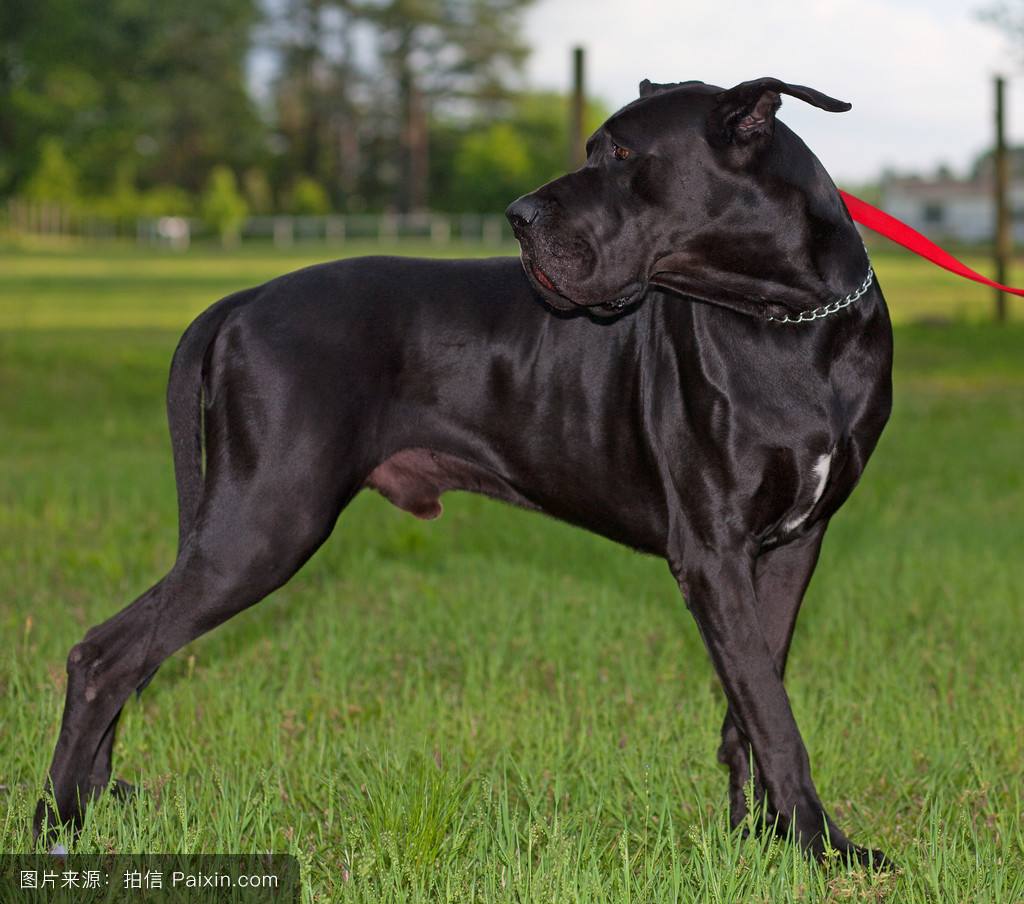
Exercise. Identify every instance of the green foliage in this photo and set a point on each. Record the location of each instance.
(122, 200)
(491, 168)
(309, 198)
(125, 202)
(456, 55)
(55, 178)
(223, 207)
(481, 167)
(401, 103)
(544, 117)
(258, 194)
(165, 200)
(158, 86)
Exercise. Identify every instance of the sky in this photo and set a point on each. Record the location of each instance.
(918, 72)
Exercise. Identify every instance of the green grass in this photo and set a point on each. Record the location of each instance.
(496, 707)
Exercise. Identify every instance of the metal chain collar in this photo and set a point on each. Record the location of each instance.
(830, 308)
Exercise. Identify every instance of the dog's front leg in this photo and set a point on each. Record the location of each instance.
(720, 593)
(781, 577)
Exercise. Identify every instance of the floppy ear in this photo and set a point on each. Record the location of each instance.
(746, 113)
(647, 87)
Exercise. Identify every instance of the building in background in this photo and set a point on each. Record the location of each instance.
(946, 208)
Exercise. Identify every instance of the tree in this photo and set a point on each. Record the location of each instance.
(223, 208)
(1007, 15)
(482, 167)
(308, 198)
(374, 101)
(447, 56)
(122, 200)
(186, 103)
(161, 86)
(316, 110)
(258, 194)
(43, 85)
(55, 178)
(491, 169)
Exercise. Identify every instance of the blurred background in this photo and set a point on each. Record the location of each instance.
(296, 120)
(263, 118)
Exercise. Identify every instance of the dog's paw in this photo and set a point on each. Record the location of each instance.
(122, 790)
(832, 846)
(849, 854)
(872, 859)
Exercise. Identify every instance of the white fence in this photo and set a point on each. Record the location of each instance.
(282, 231)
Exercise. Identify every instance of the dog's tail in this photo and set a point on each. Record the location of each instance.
(184, 408)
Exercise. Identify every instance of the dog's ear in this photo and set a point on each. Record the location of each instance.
(746, 113)
(647, 87)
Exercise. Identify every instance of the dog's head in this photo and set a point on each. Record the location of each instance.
(690, 187)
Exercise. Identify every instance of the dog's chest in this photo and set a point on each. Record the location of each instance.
(810, 493)
(791, 497)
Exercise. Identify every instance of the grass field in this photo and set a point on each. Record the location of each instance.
(496, 707)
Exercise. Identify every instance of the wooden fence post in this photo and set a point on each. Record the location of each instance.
(1001, 184)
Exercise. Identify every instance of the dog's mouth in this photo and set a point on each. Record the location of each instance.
(631, 294)
(543, 278)
(545, 285)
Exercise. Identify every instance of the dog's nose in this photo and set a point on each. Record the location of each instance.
(522, 212)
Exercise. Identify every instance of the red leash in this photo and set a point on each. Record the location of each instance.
(878, 220)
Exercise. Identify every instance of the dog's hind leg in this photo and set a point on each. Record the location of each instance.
(251, 536)
(781, 577)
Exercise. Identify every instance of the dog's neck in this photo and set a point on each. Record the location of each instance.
(796, 251)
(774, 283)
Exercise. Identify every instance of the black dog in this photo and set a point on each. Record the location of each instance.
(709, 390)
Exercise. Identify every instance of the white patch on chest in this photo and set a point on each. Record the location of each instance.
(820, 469)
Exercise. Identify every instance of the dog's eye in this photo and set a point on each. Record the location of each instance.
(620, 153)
